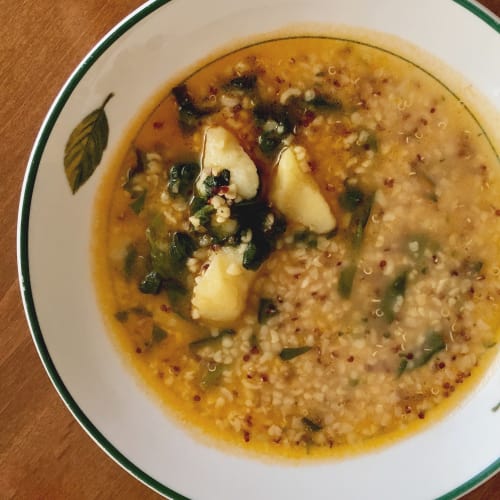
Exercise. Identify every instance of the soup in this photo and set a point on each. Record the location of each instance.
(301, 246)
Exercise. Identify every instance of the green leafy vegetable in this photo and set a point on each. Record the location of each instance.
(212, 183)
(351, 198)
(306, 237)
(322, 103)
(211, 340)
(269, 141)
(396, 289)
(433, 343)
(138, 204)
(181, 247)
(267, 309)
(181, 177)
(212, 375)
(244, 82)
(158, 334)
(189, 113)
(289, 353)
(151, 283)
(310, 425)
(121, 316)
(346, 280)
(135, 170)
(257, 251)
(85, 147)
(204, 214)
(130, 260)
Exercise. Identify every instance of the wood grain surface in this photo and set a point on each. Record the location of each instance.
(44, 453)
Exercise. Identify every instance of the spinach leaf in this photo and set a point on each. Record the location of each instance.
(212, 183)
(189, 113)
(322, 103)
(212, 375)
(346, 280)
(138, 203)
(267, 309)
(351, 198)
(257, 251)
(433, 343)
(158, 334)
(396, 289)
(181, 177)
(244, 82)
(151, 283)
(211, 340)
(289, 353)
(310, 425)
(129, 261)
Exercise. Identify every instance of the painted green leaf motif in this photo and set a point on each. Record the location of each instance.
(85, 146)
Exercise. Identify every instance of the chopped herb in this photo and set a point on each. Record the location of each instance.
(196, 204)
(496, 407)
(130, 260)
(204, 214)
(306, 237)
(158, 334)
(257, 252)
(396, 289)
(346, 280)
(244, 82)
(351, 198)
(211, 340)
(181, 247)
(254, 341)
(189, 113)
(181, 177)
(402, 366)
(212, 375)
(311, 425)
(321, 103)
(289, 353)
(212, 183)
(138, 168)
(433, 343)
(151, 283)
(121, 316)
(269, 141)
(267, 309)
(138, 203)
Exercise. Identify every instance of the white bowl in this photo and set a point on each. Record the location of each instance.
(134, 61)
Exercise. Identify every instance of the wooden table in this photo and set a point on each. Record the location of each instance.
(44, 454)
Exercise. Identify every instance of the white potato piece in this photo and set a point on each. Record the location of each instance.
(220, 294)
(297, 195)
(223, 151)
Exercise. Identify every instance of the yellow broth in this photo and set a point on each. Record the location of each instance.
(347, 338)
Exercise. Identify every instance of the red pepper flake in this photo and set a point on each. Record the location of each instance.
(279, 80)
(246, 357)
(446, 385)
(248, 420)
(176, 369)
(433, 110)
(158, 125)
(254, 350)
(138, 350)
(382, 264)
(407, 409)
(237, 108)
(350, 359)
(223, 189)
(336, 83)
(420, 158)
(249, 376)
(164, 308)
(264, 377)
(389, 182)
(497, 212)
(421, 414)
(246, 436)
(277, 440)
(409, 355)
(196, 398)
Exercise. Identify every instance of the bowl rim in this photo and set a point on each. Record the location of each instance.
(33, 164)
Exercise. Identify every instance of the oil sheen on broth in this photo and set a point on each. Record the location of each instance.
(302, 247)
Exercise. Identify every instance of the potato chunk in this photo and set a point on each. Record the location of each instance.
(220, 294)
(223, 151)
(296, 194)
